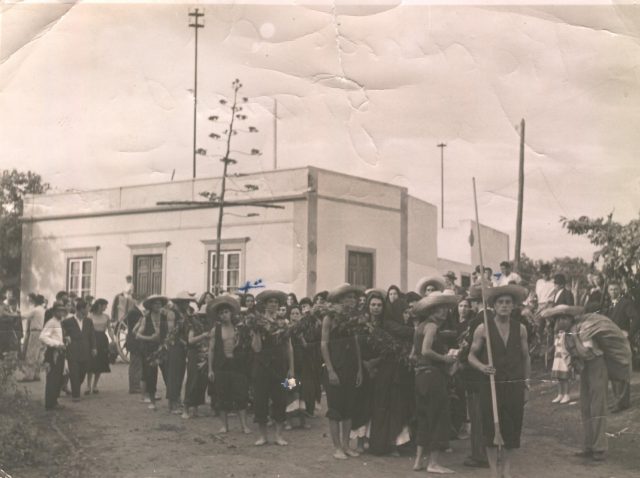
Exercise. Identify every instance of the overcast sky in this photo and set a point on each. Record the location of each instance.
(102, 95)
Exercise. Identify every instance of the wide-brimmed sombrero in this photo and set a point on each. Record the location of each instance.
(421, 286)
(152, 298)
(517, 292)
(227, 300)
(562, 309)
(336, 294)
(434, 299)
(265, 295)
(184, 296)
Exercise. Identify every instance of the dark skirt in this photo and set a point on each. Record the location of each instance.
(197, 381)
(176, 366)
(309, 372)
(100, 363)
(341, 399)
(510, 398)
(432, 410)
(363, 403)
(392, 406)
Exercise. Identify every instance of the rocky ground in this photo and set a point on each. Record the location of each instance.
(112, 434)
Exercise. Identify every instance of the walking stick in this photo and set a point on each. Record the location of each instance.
(497, 436)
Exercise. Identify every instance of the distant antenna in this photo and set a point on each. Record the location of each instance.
(173, 174)
(196, 14)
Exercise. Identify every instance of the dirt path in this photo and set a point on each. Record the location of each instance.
(117, 436)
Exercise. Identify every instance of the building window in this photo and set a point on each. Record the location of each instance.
(360, 268)
(147, 274)
(79, 276)
(229, 270)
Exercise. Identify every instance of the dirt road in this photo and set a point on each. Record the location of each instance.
(114, 435)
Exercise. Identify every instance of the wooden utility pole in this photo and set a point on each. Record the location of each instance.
(275, 134)
(520, 199)
(196, 14)
(442, 146)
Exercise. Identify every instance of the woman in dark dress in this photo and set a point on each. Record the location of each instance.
(361, 421)
(343, 366)
(295, 395)
(393, 389)
(511, 369)
(432, 400)
(102, 327)
(311, 366)
(151, 331)
(197, 363)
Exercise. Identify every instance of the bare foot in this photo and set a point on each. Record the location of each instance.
(223, 430)
(432, 468)
(287, 426)
(395, 453)
(418, 466)
(261, 442)
(339, 455)
(360, 449)
(352, 453)
(246, 431)
(306, 426)
(281, 441)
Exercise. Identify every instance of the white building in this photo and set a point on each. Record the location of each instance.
(459, 251)
(331, 228)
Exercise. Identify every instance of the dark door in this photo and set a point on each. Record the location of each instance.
(147, 274)
(360, 270)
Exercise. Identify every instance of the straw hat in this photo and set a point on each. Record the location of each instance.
(184, 296)
(517, 292)
(425, 282)
(213, 306)
(433, 300)
(562, 309)
(336, 294)
(265, 295)
(381, 292)
(152, 298)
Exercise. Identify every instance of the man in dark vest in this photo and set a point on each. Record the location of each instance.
(624, 314)
(82, 346)
(511, 369)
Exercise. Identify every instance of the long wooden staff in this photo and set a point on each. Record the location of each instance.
(497, 436)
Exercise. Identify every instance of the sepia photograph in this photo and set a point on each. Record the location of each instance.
(323, 238)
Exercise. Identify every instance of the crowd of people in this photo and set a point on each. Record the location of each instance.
(400, 370)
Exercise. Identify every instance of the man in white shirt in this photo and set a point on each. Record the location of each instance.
(545, 287)
(507, 277)
(53, 337)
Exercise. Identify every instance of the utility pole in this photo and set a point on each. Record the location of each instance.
(442, 146)
(275, 133)
(520, 198)
(196, 14)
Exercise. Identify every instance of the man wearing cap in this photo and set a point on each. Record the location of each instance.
(82, 346)
(511, 369)
(450, 283)
(53, 337)
(226, 370)
(343, 367)
(272, 365)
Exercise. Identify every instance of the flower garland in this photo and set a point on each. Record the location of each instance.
(385, 344)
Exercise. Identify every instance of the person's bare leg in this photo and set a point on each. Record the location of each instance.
(224, 418)
(279, 440)
(492, 457)
(505, 463)
(334, 430)
(95, 383)
(89, 378)
(434, 467)
(346, 432)
(418, 465)
(263, 435)
(243, 421)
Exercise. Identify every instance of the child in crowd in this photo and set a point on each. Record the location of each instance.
(561, 369)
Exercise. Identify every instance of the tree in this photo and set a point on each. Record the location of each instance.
(14, 185)
(575, 270)
(235, 115)
(618, 254)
